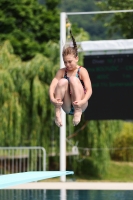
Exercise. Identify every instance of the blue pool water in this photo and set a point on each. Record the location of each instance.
(65, 195)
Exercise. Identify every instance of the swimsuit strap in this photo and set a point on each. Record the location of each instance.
(79, 77)
(65, 75)
(78, 72)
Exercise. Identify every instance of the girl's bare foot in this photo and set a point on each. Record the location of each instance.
(58, 116)
(77, 116)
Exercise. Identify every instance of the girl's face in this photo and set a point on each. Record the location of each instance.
(70, 62)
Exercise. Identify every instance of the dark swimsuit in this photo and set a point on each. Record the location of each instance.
(77, 75)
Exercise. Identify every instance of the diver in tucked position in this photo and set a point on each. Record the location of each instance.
(71, 87)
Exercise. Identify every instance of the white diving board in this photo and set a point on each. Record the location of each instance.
(26, 177)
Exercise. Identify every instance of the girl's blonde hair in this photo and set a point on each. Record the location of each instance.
(71, 50)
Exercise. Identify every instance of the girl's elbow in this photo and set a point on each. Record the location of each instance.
(90, 91)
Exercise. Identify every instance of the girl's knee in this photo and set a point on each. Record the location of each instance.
(73, 80)
(62, 82)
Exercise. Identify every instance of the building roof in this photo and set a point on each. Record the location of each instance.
(102, 47)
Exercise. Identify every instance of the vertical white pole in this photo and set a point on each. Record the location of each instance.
(63, 194)
(63, 115)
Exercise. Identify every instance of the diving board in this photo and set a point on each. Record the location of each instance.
(26, 177)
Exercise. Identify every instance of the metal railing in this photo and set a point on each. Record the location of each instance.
(22, 159)
(23, 194)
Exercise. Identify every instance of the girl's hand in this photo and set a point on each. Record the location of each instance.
(78, 103)
(57, 102)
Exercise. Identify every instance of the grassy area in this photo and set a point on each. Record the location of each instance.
(118, 172)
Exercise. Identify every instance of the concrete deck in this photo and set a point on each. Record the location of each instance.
(75, 186)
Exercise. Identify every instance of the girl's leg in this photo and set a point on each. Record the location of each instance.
(77, 93)
(62, 94)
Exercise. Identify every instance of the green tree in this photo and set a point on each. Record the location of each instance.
(25, 112)
(29, 25)
(101, 136)
(123, 144)
(94, 140)
(120, 22)
(95, 28)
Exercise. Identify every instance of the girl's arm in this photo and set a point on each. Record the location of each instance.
(54, 83)
(87, 82)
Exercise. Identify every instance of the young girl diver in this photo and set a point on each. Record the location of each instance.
(71, 87)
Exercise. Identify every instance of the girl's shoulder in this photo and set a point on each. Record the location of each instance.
(82, 69)
(61, 72)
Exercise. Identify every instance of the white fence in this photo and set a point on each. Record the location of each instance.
(22, 159)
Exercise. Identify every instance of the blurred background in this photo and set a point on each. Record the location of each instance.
(29, 59)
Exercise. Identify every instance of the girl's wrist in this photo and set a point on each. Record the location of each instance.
(52, 100)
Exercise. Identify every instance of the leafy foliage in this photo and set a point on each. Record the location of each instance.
(29, 25)
(92, 25)
(119, 21)
(123, 144)
(25, 111)
(94, 142)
